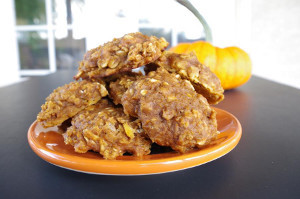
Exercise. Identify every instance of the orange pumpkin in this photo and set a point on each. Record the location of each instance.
(232, 65)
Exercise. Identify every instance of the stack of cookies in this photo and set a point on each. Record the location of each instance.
(130, 93)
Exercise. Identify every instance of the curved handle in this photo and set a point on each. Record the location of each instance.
(190, 7)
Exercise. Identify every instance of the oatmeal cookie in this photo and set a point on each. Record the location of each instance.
(123, 54)
(105, 128)
(119, 87)
(171, 112)
(188, 67)
(66, 101)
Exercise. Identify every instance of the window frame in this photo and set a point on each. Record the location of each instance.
(50, 28)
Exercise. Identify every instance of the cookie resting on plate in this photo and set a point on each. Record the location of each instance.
(171, 112)
(66, 101)
(105, 128)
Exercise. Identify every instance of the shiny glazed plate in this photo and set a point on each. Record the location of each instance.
(49, 145)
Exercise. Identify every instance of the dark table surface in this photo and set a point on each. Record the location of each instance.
(265, 164)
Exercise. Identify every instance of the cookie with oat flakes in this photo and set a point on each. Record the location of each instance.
(188, 67)
(171, 112)
(104, 128)
(122, 54)
(66, 101)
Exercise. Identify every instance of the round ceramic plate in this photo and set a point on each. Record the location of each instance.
(49, 145)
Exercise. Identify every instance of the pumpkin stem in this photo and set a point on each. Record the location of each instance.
(190, 7)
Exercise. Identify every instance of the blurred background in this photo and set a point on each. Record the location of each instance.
(39, 37)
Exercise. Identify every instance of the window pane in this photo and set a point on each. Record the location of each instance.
(69, 51)
(77, 8)
(33, 50)
(31, 12)
(59, 12)
(67, 11)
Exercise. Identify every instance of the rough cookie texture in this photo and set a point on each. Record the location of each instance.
(188, 67)
(171, 112)
(123, 54)
(105, 128)
(120, 86)
(66, 101)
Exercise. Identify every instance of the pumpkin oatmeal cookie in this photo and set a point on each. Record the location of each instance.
(123, 54)
(171, 112)
(66, 101)
(188, 67)
(105, 128)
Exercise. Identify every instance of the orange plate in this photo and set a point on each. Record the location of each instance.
(49, 145)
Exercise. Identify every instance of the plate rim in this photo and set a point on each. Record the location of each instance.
(136, 167)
